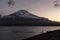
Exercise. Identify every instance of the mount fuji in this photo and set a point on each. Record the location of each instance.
(25, 18)
(24, 14)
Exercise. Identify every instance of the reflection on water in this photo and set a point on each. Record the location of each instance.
(18, 33)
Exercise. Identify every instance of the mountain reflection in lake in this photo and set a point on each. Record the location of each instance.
(19, 33)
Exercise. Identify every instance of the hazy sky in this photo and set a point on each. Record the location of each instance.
(42, 8)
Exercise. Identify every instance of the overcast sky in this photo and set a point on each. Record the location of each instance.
(42, 8)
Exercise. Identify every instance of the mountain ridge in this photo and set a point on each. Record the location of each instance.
(23, 13)
(25, 18)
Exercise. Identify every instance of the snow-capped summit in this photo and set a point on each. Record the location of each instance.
(23, 13)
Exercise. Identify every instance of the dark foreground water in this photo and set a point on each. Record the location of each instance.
(19, 33)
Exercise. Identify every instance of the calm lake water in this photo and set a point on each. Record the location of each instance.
(19, 33)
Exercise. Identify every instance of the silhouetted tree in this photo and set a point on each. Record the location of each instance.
(0, 15)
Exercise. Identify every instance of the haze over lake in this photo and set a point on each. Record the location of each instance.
(19, 33)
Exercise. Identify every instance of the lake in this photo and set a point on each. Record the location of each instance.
(19, 33)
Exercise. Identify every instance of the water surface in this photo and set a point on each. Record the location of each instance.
(19, 33)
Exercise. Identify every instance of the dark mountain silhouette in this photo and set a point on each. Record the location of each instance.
(51, 35)
(24, 18)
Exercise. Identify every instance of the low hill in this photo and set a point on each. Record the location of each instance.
(51, 35)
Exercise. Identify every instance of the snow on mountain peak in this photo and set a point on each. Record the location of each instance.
(23, 13)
